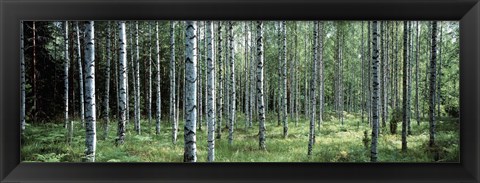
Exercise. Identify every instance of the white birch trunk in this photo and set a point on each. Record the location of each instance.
(137, 87)
(159, 97)
(65, 72)
(122, 51)
(190, 151)
(90, 113)
(313, 83)
(232, 93)
(284, 81)
(260, 93)
(149, 65)
(173, 110)
(210, 92)
(80, 76)
(220, 82)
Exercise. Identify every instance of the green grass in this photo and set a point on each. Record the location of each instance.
(334, 143)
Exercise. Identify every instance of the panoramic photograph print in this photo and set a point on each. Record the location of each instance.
(240, 91)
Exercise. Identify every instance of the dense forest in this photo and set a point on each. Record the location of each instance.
(240, 91)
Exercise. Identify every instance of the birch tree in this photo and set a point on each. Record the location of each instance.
(90, 114)
(313, 83)
(149, 65)
(406, 104)
(80, 76)
(375, 95)
(159, 96)
(173, 110)
(220, 81)
(433, 77)
(232, 83)
(210, 92)
(66, 63)
(284, 82)
(321, 72)
(417, 112)
(260, 91)
(68, 123)
(190, 152)
(137, 83)
(122, 51)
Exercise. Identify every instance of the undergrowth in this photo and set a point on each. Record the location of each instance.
(333, 143)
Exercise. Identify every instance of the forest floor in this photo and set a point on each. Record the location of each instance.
(334, 143)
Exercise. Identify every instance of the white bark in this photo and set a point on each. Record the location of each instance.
(80, 76)
(122, 51)
(65, 70)
(313, 84)
(159, 97)
(232, 93)
(173, 110)
(260, 93)
(149, 72)
(210, 92)
(190, 151)
(90, 114)
(284, 81)
(220, 82)
(137, 78)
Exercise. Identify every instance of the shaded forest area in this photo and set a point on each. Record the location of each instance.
(240, 91)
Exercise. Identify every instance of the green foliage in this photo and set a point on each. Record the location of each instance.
(334, 143)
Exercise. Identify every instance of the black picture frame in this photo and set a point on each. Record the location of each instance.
(466, 11)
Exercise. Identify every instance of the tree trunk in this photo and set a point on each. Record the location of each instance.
(210, 92)
(159, 96)
(68, 123)
(65, 73)
(232, 84)
(149, 65)
(321, 72)
(220, 81)
(173, 112)
(90, 114)
(369, 76)
(190, 152)
(363, 78)
(122, 79)
(417, 112)
(80, 76)
(137, 78)
(313, 83)
(260, 93)
(375, 95)
(433, 75)
(284, 81)
(406, 105)
(439, 75)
